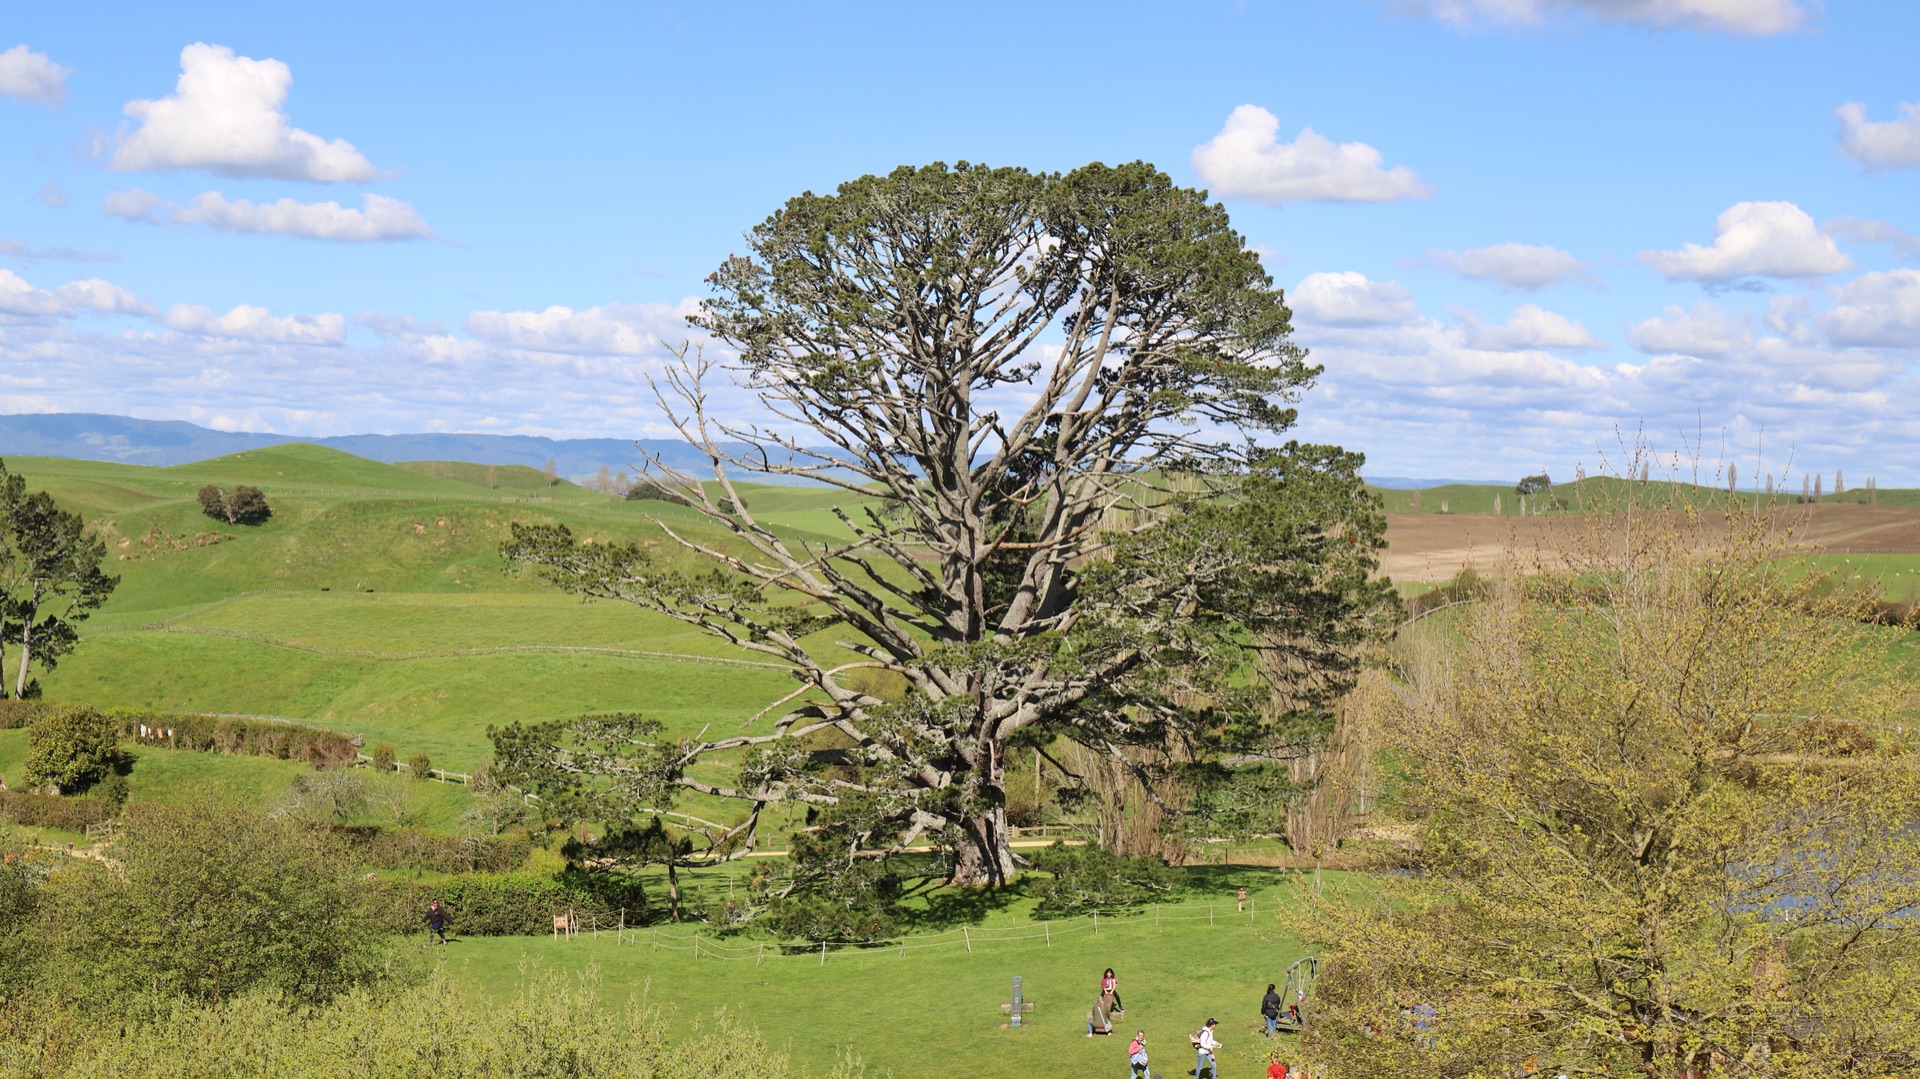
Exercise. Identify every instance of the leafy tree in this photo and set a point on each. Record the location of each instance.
(71, 748)
(1099, 563)
(50, 578)
(243, 505)
(1644, 846)
(626, 847)
(211, 901)
(1090, 878)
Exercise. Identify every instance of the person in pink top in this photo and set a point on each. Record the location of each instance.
(1111, 984)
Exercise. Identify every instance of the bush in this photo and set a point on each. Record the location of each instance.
(555, 1025)
(413, 848)
(243, 505)
(655, 491)
(420, 765)
(510, 904)
(817, 918)
(71, 748)
(53, 811)
(1090, 878)
(210, 901)
(242, 737)
(383, 757)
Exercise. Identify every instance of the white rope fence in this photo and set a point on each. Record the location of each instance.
(704, 946)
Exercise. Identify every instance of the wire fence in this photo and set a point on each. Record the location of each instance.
(970, 938)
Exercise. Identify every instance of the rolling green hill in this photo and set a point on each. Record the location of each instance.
(375, 601)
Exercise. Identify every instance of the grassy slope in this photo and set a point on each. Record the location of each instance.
(352, 606)
(935, 1011)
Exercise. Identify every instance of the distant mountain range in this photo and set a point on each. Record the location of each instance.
(1405, 483)
(93, 437)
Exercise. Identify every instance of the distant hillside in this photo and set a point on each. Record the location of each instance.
(92, 437)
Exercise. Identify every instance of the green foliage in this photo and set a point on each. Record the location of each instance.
(510, 904)
(112, 790)
(417, 848)
(211, 901)
(54, 811)
(1091, 878)
(50, 578)
(19, 910)
(651, 490)
(420, 766)
(71, 748)
(551, 1027)
(382, 755)
(242, 505)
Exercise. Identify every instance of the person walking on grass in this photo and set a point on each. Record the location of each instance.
(1270, 1008)
(436, 922)
(1205, 1045)
(1137, 1056)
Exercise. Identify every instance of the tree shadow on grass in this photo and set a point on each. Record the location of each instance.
(949, 907)
(1199, 883)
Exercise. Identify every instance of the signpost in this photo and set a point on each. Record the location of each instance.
(1014, 1019)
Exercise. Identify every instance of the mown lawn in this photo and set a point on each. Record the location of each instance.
(935, 1011)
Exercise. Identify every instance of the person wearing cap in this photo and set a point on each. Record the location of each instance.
(1204, 1045)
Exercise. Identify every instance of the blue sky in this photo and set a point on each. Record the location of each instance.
(483, 217)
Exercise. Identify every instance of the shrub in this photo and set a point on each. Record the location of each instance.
(654, 491)
(413, 848)
(113, 791)
(1091, 878)
(71, 748)
(510, 904)
(383, 756)
(555, 1025)
(53, 811)
(420, 765)
(211, 901)
(817, 918)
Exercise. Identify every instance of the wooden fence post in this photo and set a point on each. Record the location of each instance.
(823, 953)
(1096, 923)
(1049, 928)
(966, 937)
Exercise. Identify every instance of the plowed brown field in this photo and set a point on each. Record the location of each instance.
(1434, 547)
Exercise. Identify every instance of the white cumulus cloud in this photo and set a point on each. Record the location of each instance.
(379, 218)
(615, 329)
(1757, 17)
(225, 116)
(248, 323)
(1247, 160)
(1349, 298)
(21, 298)
(30, 76)
(1876, 309)
(1887, 144)
(1755, 239)
(1706, 329)
(1867, 230)
(1512, 266)
(1531, 327)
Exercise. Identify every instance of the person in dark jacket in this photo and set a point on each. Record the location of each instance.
(1270, 1008)
(436, 922)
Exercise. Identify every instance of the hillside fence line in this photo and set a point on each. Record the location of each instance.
(709, 946)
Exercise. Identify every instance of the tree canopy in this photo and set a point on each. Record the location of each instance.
(1663, 808)
(50, 578)
(1058, 401)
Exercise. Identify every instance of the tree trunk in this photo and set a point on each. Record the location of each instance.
(673, 891)
(26, 640)
(984, 854)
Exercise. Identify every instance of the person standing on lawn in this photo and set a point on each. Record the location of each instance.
(1111, 984)
(436, 922)
(1137, 1055)
(1204, 1047)
(1270, 1008)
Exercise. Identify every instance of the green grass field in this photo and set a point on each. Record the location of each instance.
(934, 1008)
